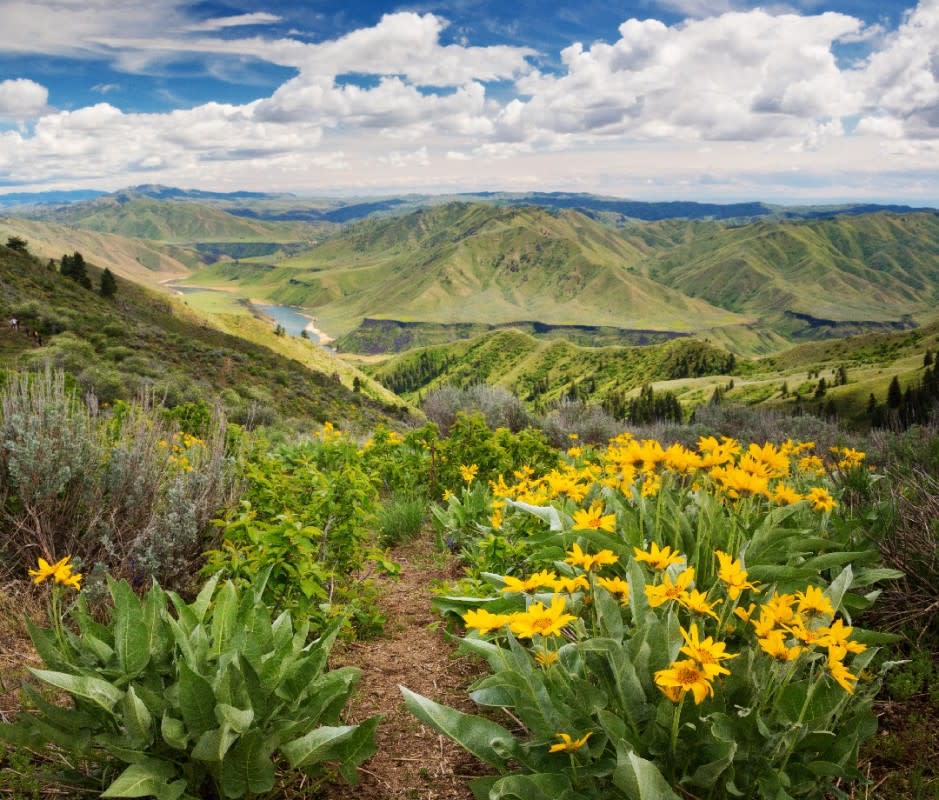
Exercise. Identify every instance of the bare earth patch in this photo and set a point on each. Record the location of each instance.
(413, 762)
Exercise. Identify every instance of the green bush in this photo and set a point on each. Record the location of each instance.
(202, 702)
(400, 520)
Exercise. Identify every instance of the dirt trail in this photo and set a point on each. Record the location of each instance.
(413, 761)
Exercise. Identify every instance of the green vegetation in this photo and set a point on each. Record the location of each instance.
(144, 342)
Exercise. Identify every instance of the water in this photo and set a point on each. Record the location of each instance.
(292, 320)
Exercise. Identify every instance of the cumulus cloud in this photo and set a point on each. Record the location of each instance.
(22, 99)
(763, 84)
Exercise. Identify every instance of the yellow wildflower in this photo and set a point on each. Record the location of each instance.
(706, 652)
(812, 464)
(733, 574)
(594, 519)
(484, 621)
(813, 602)
(666, 591)
(697, 603)
(468, 472)
(571, 585)
(578, 558)
(496, 519)
(658, 559)
(544, 578)
(785, 495)
(840, 673)
(774, 643)
(60, 572)
(567, 744)
(837, 635)
(617, 586)
(546, 658)
(820, 498)
(682, 677)
(541, 621)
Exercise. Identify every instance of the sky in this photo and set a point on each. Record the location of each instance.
(801, 101)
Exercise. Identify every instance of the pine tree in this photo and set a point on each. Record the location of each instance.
(108, 284)
(894, 394)
(927, 358)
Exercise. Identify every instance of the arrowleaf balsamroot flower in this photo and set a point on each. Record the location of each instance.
(594, 519)
(578, 558)
(733, 574)
(682, 677)
(774, 643)
(568, 744)
(541, 621)
(697, 603)
(820, 499)
(814, 603)
(666, 590)
(658, 559)
(60, 572)
(468, 472)
(485, 621)
(706, 652)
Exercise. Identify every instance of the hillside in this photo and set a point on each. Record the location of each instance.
(179, 221)
(800, 276)
(542, 371)
(476, 264)
(140, 340)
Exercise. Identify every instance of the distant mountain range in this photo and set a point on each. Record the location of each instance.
(286, 207)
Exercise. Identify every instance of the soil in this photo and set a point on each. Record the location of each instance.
(413, 762)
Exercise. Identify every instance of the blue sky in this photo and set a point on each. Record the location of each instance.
(799, 101)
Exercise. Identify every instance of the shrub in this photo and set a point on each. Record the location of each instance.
(499, 407)
(400, 520)
(197, 703)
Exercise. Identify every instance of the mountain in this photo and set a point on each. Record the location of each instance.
(140, 340)
(46, 198)
(872, 270)
(178, 221)
(479, 264)
(542, 371)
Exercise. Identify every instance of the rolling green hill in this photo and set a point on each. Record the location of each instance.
(799, 276)
(140, 340)
(479, 264)
(131, 215)
(542, 371)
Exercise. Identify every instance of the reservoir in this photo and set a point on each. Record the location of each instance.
(290, 318)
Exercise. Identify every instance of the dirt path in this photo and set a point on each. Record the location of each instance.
(413, 762)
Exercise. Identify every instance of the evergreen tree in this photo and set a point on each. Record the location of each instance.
(17, 243)
(108, 283)
(927, 358)
(73, 267)
(821, 388)
(894, 394)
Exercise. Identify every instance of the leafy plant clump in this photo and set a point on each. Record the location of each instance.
(182, 700)
(672, 622)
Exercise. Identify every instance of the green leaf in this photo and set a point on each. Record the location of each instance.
(204, 598)
(101, 650)
(147, 779)
(609, 616)
(137, 719)
(539, 786)
(214, 744)
(640, 779)
(174, 732)
(357, 749)
(96, 690)
(224, 618)
(238, 719)
(158, 638)
(483, 738)
(131, 642)
(248, 767)
(839, 586)
(196, 701)
(866, 577)
(318, 745)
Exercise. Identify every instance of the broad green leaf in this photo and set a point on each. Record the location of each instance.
(137, 719)
(540, 786)
(196, 701)
(204, 599)
(707, 774)
(871, 575)
(640, 779)
(148, 779)
(609, 616)
(96, 690)
(359, 747)
(318, 745)
(483, 738)
(238, 719)
(224, 618)
(638, 602)
(839, 586)
(173, 732)
(248, 767)
(158, 637)
(101, 650)
(214, 744)
(130, 633)
(548, 514)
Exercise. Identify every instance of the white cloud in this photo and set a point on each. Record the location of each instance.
(241, 20)
(22, 99)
